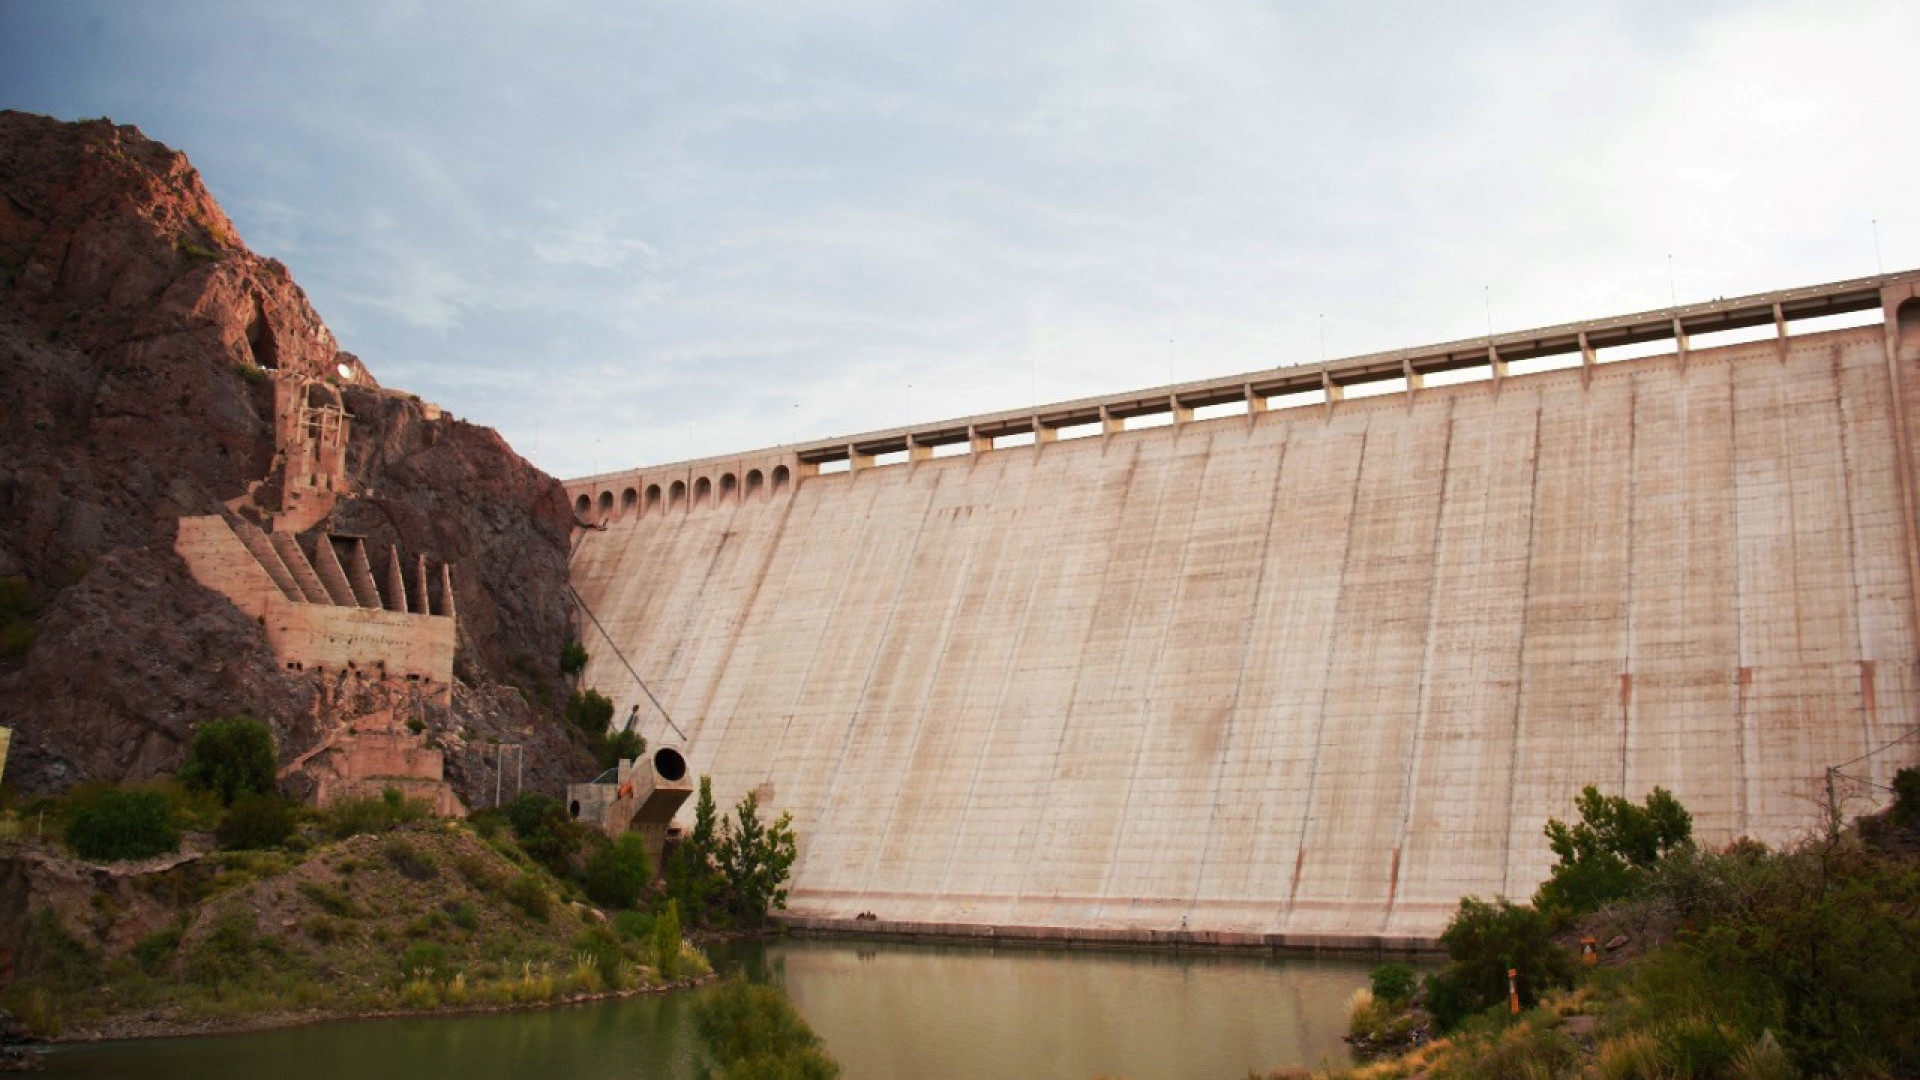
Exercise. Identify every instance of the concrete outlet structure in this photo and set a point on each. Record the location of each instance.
(1304, 655)
(637, 798)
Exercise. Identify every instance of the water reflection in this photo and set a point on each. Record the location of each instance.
(936, 1012)
(885, 1011)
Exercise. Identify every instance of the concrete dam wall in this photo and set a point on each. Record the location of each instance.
(1302, 674)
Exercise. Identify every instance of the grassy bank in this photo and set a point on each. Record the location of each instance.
(405, 914)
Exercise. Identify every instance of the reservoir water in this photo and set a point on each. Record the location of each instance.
(886, 1011)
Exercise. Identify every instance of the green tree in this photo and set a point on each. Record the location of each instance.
(231, 758)
(751, 1032)
(118, 824)
(693, 871)
(1484, 941)
(573, 658)
(618, 873)
(755, 859)
(1612, 850)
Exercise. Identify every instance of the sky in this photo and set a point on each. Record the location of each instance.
(634, 233)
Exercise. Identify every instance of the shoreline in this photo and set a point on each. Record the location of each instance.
(1113, 938)
(132, 1029)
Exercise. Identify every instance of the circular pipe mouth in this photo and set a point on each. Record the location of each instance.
(669, 764)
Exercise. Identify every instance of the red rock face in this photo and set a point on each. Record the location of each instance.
(136, 334)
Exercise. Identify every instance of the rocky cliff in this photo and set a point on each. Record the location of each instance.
(139, 341)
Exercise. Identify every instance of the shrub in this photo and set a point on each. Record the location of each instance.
(330, 900)
(618, 873)
(226, 954)
(622, 746)
(409, 861)
(254, 822)
(424, 960)
(1535, 1049)
(666, 942)
(573, 658)
(530, 896)
(153, 951)
(590, 711)
(118, 824)
(351, 817)
(1906, 797)
(461, 914)
(477, 870)
(633, 925)
(544, 830)
(1485, 941)
(749, 1030)
(1393, 982)
(231, 758)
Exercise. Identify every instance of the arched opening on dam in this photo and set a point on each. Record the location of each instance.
(729, 484)
(702, 489)
(653, 499)
(1907, 320)
(583, 506)
(628, 500)
(606, 505)
(676, 494)
(780, 477)
(754, 480)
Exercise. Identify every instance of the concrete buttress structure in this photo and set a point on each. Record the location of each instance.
(1317, 655)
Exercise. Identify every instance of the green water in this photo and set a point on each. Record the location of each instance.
(886, 1011)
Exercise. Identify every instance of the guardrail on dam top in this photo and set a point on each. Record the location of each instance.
(1309, 674)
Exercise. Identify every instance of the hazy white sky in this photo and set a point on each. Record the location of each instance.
(639, 232)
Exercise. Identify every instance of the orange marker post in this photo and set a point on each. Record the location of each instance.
(1513, 991)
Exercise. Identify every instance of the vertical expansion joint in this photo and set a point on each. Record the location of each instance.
(1780, 329)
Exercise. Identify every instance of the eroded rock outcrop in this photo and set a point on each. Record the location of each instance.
(141, 345)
